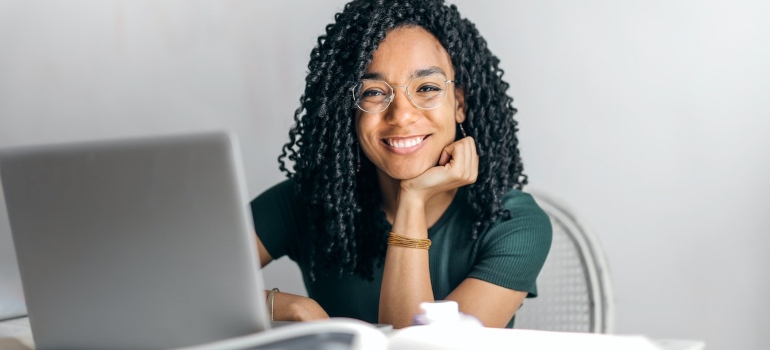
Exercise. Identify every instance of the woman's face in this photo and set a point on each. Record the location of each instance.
(404, 141)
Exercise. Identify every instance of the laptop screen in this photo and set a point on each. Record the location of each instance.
(142, 243)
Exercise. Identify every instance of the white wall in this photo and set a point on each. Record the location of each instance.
(647, 117)
(650, 118)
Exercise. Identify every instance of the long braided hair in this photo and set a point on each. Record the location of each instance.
(339, 187)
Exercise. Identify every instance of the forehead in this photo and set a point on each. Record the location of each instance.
(405, 51)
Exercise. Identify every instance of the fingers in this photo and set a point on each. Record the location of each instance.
(458, 166)
(446, 156)
(475, 164)
(290, 307)
(461, 159)
(473, 160)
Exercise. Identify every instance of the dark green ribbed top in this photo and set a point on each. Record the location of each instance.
(510, 254)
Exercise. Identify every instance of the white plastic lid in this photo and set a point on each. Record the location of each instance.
(441, 310)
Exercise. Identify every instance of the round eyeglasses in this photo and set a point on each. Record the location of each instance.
(374, 96)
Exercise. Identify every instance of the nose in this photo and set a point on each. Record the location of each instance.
(401, 111)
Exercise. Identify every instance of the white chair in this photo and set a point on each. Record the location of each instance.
(574, 291)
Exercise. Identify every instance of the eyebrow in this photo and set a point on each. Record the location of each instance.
(417, 74)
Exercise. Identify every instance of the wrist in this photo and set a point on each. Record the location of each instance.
(411, 198)
(287, 307)
(409, 220)
(411, 209)
(296, 310)
(306, 309)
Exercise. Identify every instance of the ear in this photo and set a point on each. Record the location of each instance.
(459, 105)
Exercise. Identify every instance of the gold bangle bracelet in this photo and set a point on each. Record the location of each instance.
(406, 242)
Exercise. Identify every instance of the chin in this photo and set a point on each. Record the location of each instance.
(405, 175)
(407, 172)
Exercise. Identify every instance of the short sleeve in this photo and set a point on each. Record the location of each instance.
(512, 252)
(277, 217)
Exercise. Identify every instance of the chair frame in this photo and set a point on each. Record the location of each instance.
(592, 258)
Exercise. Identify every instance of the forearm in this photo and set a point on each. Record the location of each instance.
(406, 274)
(290, 307)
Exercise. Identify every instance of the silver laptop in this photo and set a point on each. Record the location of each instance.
(134, 244)
(11, 293)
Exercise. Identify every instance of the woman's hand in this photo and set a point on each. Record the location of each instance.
(458, 166)
(290, 307)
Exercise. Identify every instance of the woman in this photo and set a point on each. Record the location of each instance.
(406, 175)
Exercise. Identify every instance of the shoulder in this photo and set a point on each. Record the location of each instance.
(513, 251)
(524, 210)
(281, 192)
(278, 218)
(284, 188)
(519, 200)
(278, 202)
(527, 226)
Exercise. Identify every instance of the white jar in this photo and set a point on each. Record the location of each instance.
(444, 312)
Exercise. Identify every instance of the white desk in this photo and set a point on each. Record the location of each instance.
(16, 335)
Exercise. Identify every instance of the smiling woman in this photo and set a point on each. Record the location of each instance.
(407, 135)
(406, 181)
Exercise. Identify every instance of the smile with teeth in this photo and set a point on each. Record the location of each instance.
(405, 143)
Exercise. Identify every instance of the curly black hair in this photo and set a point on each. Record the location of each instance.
(338, 186)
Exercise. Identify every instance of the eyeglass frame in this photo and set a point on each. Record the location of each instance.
(393, 93)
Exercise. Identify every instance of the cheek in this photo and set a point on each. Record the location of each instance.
(365, 129)
(448, 125)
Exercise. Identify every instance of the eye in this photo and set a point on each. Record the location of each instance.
(428, 88)
(372, 93)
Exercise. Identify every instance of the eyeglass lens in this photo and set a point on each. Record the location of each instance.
(374, 96)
